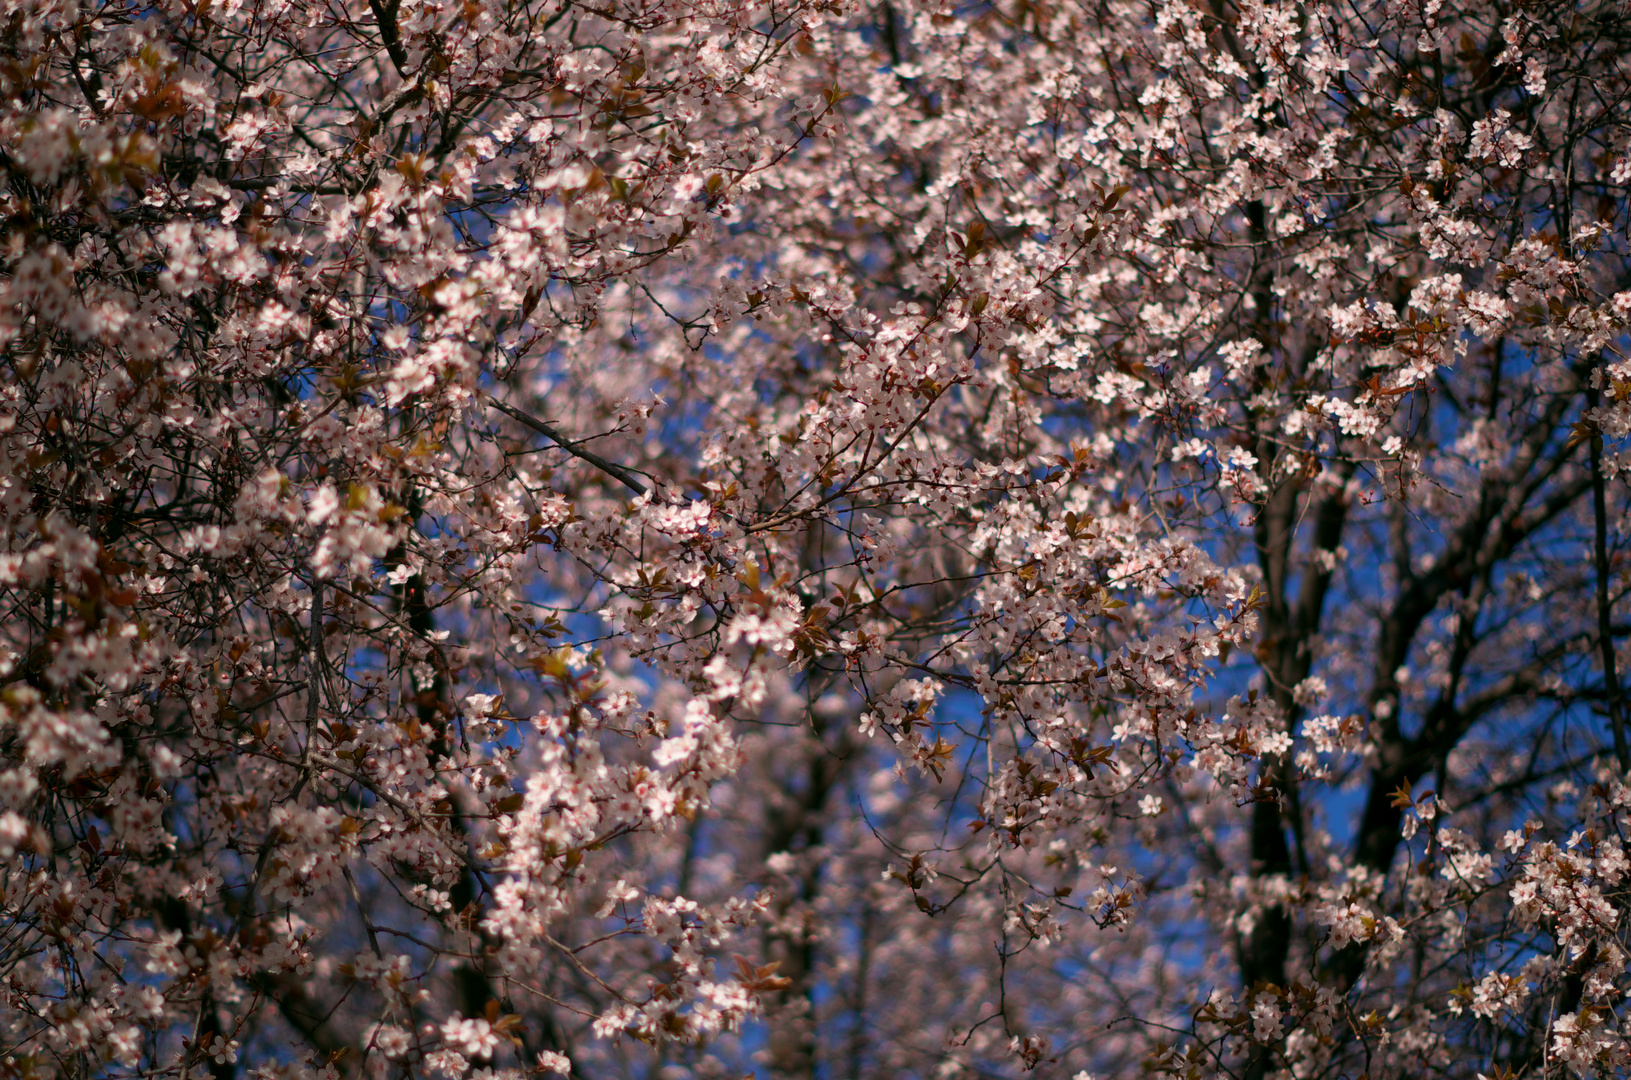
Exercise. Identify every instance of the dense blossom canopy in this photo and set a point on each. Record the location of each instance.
(831, 538)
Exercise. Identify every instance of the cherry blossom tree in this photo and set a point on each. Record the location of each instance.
(676, 538)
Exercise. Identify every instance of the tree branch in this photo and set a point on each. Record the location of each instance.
(1605, 628)
(576, 449)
